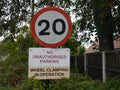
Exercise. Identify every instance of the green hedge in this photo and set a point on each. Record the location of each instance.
(14, 76)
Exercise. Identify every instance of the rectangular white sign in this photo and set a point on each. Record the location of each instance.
(47, 63)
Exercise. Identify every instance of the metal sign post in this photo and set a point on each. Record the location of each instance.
(51, 27)
(50, 2)
(47, 81)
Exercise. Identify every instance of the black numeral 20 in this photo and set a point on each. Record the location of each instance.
(54, 27)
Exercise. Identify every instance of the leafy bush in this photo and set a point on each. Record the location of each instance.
(76, 82)
(14, 76)
(111, 84)
(13, 70)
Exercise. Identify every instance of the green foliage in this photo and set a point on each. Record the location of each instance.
(23, 43)
(9, 47)
(2, 50)
(111, 84)
(73, 45)
(15, 12)
(14, 76)
(81, 50)
(14, 70)
(76, 82)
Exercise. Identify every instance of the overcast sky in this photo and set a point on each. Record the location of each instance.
(1, 38)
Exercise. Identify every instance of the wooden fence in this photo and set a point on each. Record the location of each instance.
(99, 65)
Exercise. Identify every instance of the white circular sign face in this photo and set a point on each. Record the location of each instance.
(51, 27)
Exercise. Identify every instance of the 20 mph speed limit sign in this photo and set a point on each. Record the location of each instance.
(51, 27)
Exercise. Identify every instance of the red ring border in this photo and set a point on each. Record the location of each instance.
(42, 43)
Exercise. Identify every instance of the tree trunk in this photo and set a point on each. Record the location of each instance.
(13, 22)
(32, 5)
(104, 23)
(105, 40)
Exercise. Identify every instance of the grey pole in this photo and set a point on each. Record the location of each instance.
(85, 64)
(103, 66)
